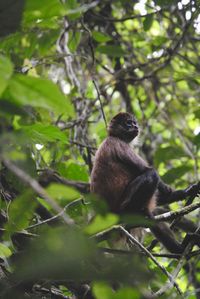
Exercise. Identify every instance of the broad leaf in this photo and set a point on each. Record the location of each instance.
(164, 3)
(40, 133)
(38, 92)
(74, 41)
(73, 171)
(40, 10)
(74, 9)
(100, 37)
(101, 223)
(60, 192)
(20, 213)
(113, 51)
(4, 251)
(176, 173)
(127, 293)
(6, 69)
(102, 290)
(168, 153)
(147, 23)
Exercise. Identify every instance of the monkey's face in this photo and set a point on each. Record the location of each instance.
(123, 126)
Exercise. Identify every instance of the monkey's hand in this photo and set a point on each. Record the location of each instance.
(193, 190)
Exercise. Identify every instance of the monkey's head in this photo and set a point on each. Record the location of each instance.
(124, 126)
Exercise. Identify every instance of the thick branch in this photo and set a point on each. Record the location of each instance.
(49, 176)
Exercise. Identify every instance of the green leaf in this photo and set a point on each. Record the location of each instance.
(163, 3)
(59, 192)
(159, 40)
(176, 173)
(102, 291)
(113, 51)
(37, 92)
(58, 252)
(20, 213)
(74, 10)
(100, 37)
(127, 293)
(44, 43)
(147, 23)
(4, 251)
(74, 41)
(6, 69)
(71, 4)
(38, 10)
(40, 133)
(168, 153)
(101, 223)
(73, 171)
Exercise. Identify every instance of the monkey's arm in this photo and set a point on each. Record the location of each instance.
(167, 195)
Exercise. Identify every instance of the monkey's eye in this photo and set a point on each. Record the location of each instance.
(129, 123)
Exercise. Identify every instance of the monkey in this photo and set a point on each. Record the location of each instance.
(129, 185)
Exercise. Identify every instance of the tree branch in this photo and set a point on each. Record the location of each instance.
(173, 215)
(28, 180)
(148, 254)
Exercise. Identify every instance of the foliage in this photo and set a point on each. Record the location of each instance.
(63, 65)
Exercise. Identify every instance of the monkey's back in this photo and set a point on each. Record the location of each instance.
(110, 175)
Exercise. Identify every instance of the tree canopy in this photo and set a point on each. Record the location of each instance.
(66, 68)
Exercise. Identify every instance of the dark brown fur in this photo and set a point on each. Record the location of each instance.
(111, 172)
(116, 164)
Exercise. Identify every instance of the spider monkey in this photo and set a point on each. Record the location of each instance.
(129, 184)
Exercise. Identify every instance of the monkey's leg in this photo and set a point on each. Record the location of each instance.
(186, 225)
(191, 229)
(139, 192)
(165, 235)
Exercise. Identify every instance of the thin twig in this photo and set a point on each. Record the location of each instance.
(63, 49)
(99, 98)
(132, 17)
(55, 216)
(147, 253)
(83, 145)
(89, 41)
(175, 273)
(165, 255)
